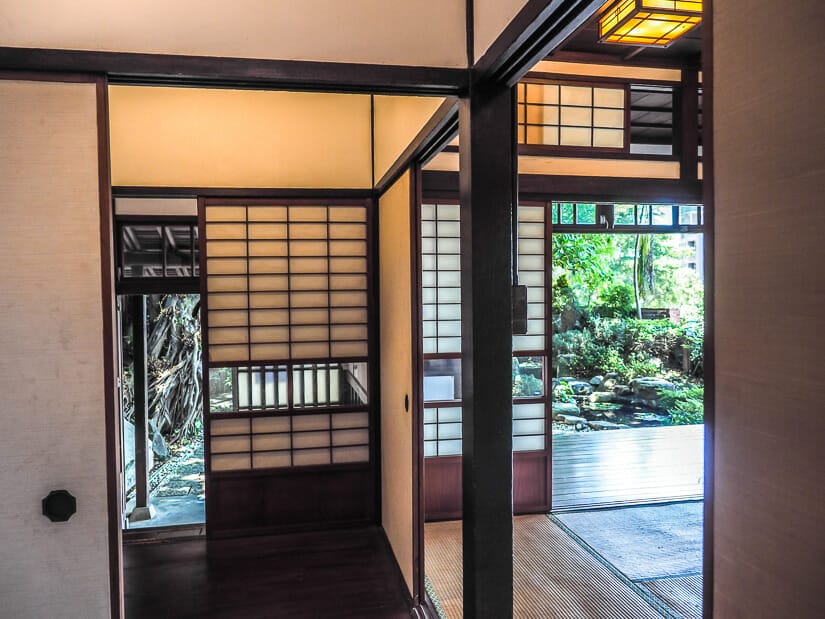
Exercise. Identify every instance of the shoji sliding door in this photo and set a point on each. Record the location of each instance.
(287, 305)
(441, 318)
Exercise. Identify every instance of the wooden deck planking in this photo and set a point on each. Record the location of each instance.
(628, 466)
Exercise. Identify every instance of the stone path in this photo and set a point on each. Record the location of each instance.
(178, 490)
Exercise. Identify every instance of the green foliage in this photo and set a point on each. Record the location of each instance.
(617, 302)
(684, 406)
(563, 393)
(631, 348)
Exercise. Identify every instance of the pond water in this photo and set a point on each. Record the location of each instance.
(624, 414)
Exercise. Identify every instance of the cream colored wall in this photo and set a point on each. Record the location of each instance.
(396, 371)
(194, 137)
(490, 18)
(397, 121)
(421, 33)
(52, 427)
(608, 70)
(768, 84)
(574, 166)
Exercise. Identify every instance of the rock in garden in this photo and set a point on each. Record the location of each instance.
(622, 390)
(608, 384)
(570, 420)
(565, 408)
(605, 425)
(649, 388)
(601, 396)
(580, 387)
(597, 380)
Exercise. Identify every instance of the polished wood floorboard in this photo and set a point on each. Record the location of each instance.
(614, 467)
(347, 574)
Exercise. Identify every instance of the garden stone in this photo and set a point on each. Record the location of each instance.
(571, 420)
(568, 379)
(565, 408)
(649, 388)
(622, 390)
(605, 425)
(580, 387)
(601, 396)
(597, 380)
(608, 384)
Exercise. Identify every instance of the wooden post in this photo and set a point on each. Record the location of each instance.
(487, 177)
(143, 509)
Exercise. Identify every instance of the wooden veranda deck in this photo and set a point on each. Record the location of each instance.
(628, 466)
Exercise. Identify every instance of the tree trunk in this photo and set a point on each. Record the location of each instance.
(636, 278)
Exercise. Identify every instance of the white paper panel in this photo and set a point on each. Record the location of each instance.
(228, 426)
(311, 457)
(230, 462)
(226, 266)
(227, 444)
(266, 213)
(271, 460)
(449, 448)
(342, 455)
(528, 443)
(528, 411)
(350, 437)
(350, 420)
(270, 424)
(271, 442)
(303, 440)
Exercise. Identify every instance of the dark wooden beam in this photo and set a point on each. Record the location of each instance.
(445, 185)
(178, 70)
(538, 29)
(439, 130)
(618, 59)
(687, 120)
(239, 192)
(487, 179)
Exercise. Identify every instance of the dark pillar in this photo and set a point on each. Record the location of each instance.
(142, 509)
(487, 178)
(686, 124)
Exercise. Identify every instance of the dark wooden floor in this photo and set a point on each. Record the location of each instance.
(628, 466)
(348, 573)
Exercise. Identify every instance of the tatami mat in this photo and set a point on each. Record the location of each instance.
(682, 594)
(554, 577)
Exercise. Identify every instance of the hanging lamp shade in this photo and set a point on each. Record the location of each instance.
(654, 23)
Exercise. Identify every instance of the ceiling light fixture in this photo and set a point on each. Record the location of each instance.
(653, 23)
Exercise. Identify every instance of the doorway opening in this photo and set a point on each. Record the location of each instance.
(162, 411)
(608, 436)
(160, 370)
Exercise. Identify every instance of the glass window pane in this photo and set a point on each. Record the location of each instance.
(528, 377)
(662, 215)
(585, 213)
(624, 215)
(142, 248)
(567, 213)
(221, 389)
(689, 215)
(442, 380)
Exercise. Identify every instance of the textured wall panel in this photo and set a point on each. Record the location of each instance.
(770, 293)
(52, 426)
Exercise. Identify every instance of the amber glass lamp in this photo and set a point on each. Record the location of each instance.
(654, 23)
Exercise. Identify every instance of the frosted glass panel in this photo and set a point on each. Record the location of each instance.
(528, 443)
